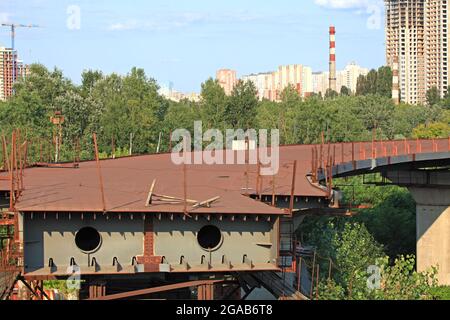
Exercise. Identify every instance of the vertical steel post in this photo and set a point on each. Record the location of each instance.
(291, 204)
(99, 171)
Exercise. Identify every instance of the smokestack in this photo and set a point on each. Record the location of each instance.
(395, 81)
(333, 58)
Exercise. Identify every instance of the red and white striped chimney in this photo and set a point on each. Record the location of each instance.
(395, 81)
(333, 78)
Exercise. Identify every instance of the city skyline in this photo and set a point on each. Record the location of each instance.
(185, 44)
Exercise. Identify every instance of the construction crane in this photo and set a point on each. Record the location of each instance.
(13, 36)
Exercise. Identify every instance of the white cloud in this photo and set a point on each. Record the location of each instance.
(182, 20)
(347, 4)
(4, 17)
(122, 26)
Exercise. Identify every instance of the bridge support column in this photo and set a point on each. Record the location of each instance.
(431, 191)
(433, 230)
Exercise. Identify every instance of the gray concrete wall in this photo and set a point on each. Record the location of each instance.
(52, 238)
(256, 239)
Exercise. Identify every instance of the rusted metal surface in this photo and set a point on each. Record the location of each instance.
(205, 284)
(97, 290)
(126, 180)
(10, 269)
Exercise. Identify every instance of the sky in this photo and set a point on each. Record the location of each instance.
(184, 42)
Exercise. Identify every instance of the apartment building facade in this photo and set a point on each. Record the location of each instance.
(347, 77)
(270, 85)
(417, 35)
(227, 79)
(7, 58)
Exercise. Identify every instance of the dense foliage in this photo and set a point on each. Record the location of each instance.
(128, 112)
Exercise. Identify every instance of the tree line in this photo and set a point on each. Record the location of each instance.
(128, 108)
(127, 112)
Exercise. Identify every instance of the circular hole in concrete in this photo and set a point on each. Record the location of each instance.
(88, 239)
(209, 238)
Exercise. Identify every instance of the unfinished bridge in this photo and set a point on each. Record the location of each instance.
(141, 226)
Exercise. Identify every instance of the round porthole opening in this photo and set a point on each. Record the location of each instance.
(209, 238)
(88, 239)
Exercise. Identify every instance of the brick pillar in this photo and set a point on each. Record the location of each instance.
(148, 238)
(148, 259)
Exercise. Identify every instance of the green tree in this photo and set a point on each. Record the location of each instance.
(131, 108)
(240, 111)
(345, 91)
(434, 130)
(89, 79)
(330, 94)
(384, 82)
(408, 117)
(213, 104)
(377, 82)
(433, 96)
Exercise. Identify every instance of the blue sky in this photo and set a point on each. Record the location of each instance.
(185, 42)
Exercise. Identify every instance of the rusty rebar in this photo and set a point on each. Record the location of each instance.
(99, 171)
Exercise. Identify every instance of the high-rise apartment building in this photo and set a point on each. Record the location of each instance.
(227, 79)
(7, 58)
(9, 62)
(417, 35)
(270, 85)
(347, 77)
(436, 45)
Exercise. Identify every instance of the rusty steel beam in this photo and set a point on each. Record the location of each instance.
(185, 200)
(291, 205)
(99, 170)
(11, 172)
(5, 154)
(6, 222)
(171, 287)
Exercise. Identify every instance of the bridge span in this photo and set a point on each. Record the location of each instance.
(421, 166)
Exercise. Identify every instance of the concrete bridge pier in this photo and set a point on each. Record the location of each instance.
(431, 191)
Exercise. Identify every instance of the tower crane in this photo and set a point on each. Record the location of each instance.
(13, 36)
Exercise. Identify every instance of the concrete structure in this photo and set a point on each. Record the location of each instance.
(7, 58)
(395, 81)
(270, 85)
(320, 82)
(227, 79)
(177, 96)
(347, 77)
(431, 191)
(332, 70)
(437, 45)
(427, 176)
(417, 33)
(263, 84)
(405, 31)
